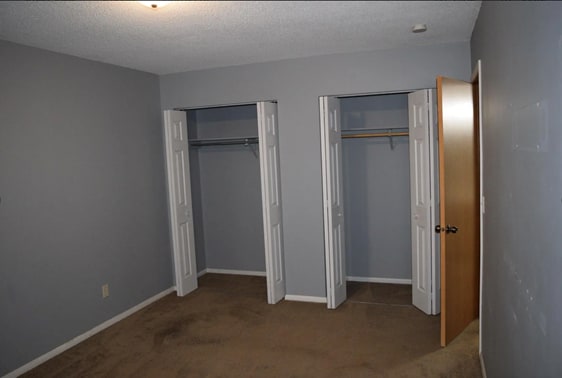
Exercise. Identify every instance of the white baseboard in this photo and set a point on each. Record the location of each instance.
(201, 273)
(237, 272)
(78, 339)
(484, 375)
(305, 298)
(401, 281)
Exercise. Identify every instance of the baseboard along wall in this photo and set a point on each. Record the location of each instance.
(401, 281)
(482, 366)
(305, 298)
(232, 271)
(78, 339)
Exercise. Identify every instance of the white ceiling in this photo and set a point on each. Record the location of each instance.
(193, 35)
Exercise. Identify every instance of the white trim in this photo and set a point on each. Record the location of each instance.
(78, 339)
(477, 74)
(482, 366)
(224, 105)
(305, 298)
(202, 273)
(237, 272)
(400, 281)
(399, 91)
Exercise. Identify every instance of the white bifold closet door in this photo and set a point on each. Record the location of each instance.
(425, 262)
(425, 293)
(332, 189)
(271, 200)
(180, 203)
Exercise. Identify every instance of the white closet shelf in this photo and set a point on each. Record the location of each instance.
(224, 141)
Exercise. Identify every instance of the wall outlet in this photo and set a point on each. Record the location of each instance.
(105, 291)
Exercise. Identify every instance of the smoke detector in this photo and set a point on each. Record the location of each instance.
(419, 28)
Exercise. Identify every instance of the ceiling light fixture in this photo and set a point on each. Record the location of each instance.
(155, 4)
(419, 28)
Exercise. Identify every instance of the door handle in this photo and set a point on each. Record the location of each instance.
(448, 229)
(451, 229)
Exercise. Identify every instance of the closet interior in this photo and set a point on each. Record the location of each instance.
(226, 191)
(376, 189)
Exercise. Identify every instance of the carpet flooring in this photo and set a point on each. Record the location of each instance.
(226, 329)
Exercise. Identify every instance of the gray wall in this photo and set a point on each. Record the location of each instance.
(520, 45)
(377, 189)
(297, 84)
(83, 198)
(226, 191)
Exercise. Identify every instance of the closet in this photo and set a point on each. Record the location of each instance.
(225, 189)
(224, 193)
(378, 168)
(376, 187)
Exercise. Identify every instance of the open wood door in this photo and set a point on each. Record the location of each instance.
(179, 201)
(271, 200)
(459, 206)
(332, 189)
(425, 295)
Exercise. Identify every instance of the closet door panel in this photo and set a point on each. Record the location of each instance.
(421, 199)
(332, 187)
(179, 201)
(271, 199)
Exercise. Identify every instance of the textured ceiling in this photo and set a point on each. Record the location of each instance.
(187, 35)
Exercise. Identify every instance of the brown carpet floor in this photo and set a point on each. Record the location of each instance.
(226, 329)
(379, 293)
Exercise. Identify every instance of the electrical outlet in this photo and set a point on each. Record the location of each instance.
(105, 291)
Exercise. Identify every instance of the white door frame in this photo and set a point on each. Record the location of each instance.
(477, 77)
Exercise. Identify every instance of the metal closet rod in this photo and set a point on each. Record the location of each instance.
(224, 141)
(375, 133)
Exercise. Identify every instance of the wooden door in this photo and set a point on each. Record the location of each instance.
(179, 201)
(332, 188)
(459, 206)
(271, 200)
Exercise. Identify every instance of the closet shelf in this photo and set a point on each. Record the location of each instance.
(224, 141)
